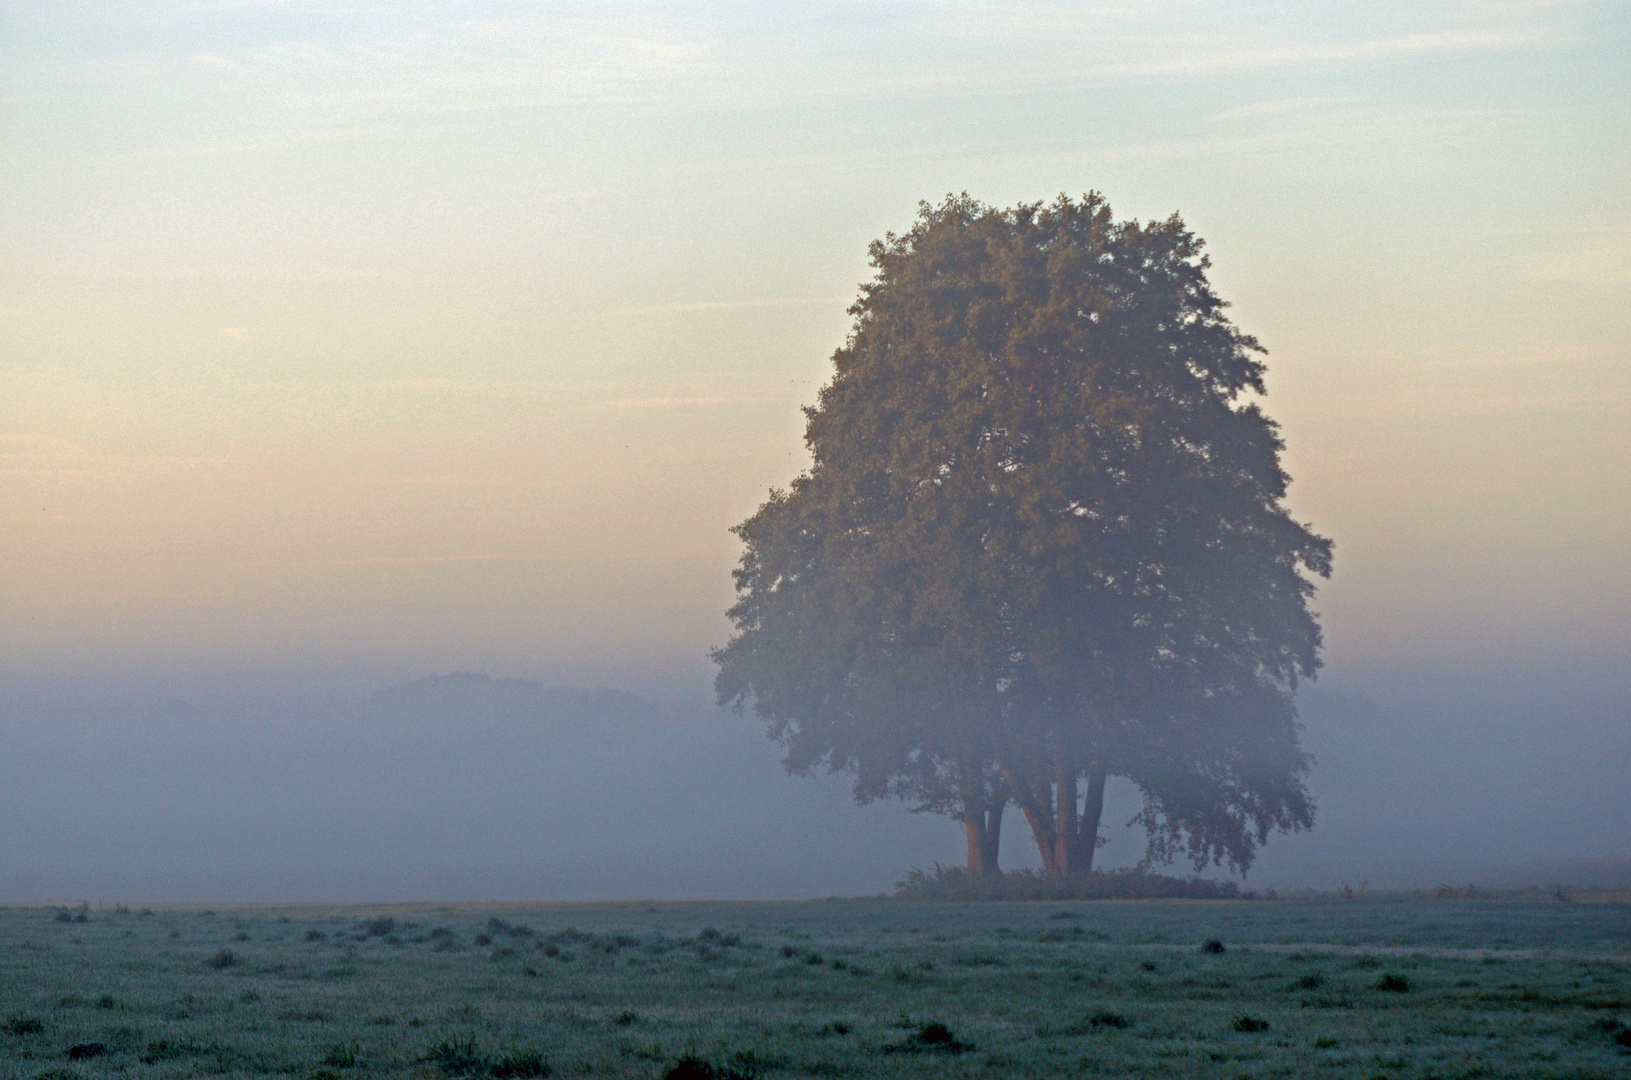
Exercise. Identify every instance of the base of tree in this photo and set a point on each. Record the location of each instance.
(1127, 883)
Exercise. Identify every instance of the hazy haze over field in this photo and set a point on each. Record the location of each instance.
(348, 343)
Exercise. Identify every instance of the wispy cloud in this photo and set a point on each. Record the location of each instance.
(1284, 106)
(1341, 52)
(39, 455)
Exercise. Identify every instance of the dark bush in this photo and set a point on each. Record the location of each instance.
(1104, 1018)
(933, 1037)
(107, 1001)
(80, 1051)
(1128, 883)
(1393, 984)
(1214, 947)
(222, 960)
(379, 927)
(745, 1067)
(24, 1024)
(1248, 1024)
(499, 928)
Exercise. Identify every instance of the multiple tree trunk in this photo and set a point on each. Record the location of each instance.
(1064, 818)
(1064, 823)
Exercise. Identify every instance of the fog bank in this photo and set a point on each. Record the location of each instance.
(468, 787)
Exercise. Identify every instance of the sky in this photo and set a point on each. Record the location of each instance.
(344, 343)
(436, 336)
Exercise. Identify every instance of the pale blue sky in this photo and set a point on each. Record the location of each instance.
(456, 335)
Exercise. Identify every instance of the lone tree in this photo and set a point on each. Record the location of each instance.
(1043, 542)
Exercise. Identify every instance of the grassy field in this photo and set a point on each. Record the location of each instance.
(1397, 987)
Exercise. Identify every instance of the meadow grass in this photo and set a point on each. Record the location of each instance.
(1380, 987)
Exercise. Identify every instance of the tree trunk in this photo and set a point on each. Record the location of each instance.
(1066, 837)
(1092, 812)
(1064, 819)
(1036, 803)
(983, 830)
(982, 824)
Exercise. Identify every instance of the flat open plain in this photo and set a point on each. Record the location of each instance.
(1390, 987)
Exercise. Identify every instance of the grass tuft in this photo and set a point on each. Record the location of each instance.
(23, 1024)
(343, 1055)
(457, 1057)
(519, 1063)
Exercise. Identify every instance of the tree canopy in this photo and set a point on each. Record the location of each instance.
(1043, 542)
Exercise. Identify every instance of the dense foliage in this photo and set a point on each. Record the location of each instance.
(1042, 543)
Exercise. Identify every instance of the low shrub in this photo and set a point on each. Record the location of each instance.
(933, 1037)
(222, 960)
(691, 1067)
(1393, 984)
(1249, 1024)
(23, 1024)
(1128, 883)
